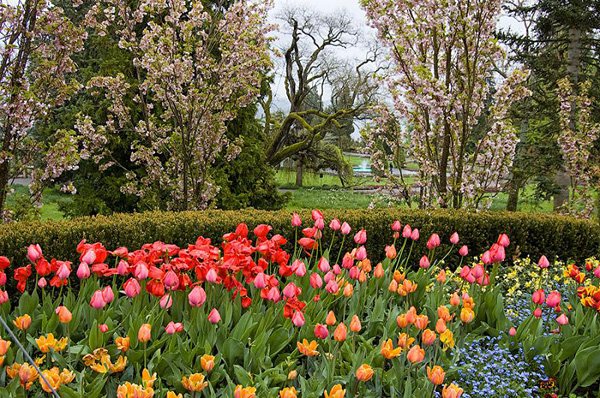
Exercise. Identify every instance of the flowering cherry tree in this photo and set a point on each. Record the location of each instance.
(196, 65)
(37, 42)
(443, 55)
(578, 132)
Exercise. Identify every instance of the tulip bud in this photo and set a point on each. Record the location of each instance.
(83, 271)
(197, 296)
(97, 301)
(3, 297)
(330, 319)
(296, 221)
(323, 265)
(214, 317)
(390, 252)
(433, 241)
(122, 268)
(553, 299)
(173, 327)
(290, 290)
(361, 253)
(166, 302)
(454, 239)
(562, 320)
(416, 354)
(543, 262)
(537, 312)
(360, 238)
(393, 287)
(345, 229)
(141, 270)
(424, 262)
(292, 375)
(454, 300)
(428, 337)
(396, 226)
(316, 282)
(355, 325)
(503, 240)
(64, 315)
(463, 251)
(103, 327)
(132, 287)
(144, 334)
(538, 297)
(378, 272)
(512, 332)
(348, 290)
(273, 294)
(364, 373)
(298, 319)
(211, 276)
(171, 280)
(332, 287)
(340, 332)
(42, 282)
(207, 362)
(321, 331)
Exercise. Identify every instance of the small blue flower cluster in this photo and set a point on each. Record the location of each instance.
(487, 368)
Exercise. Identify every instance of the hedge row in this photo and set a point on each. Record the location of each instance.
(531, 234)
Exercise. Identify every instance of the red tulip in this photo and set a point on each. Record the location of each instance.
(503, 240)
(512, 331)
(103, 327)
(260, 281)
(3, 297)
(396, 226)
(107, 294)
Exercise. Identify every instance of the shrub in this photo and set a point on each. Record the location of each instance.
(533, 234)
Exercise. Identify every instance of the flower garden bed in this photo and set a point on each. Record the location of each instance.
(311, 314)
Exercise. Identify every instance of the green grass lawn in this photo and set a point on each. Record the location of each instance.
(307, 198)
(287, 179)
(51, 198)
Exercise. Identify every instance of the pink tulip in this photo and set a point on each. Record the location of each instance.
(354, 273)
(424, 262)
(298, 319)
(463, 251)
(415, 234)
(347, 261)
(107, 294)
(299, 268)
(597, 272)
(433, 241)
(486, 257)
(315, 281)
(214, 316)
(478, 271)
(197, 296)
(553, 299)
(562, 319)
(89, 257)
(83, 271)
(538, 297)
(361, 253)
(465, 271)
(316, 214)
(171, 280)
(34, 253)
(406, 232)
(173, 327)
(166, 302)
(97, 301)
(321, 331)
(273, 294)
(537, 312)
(296, 221)
(3, 297)
(141, 270)
(260, 281)
(335, 224)
(345, 229)
(543, 262)
(320, 224)
(360, 238)
(512, 332)
(2, 278)
(332, 287)
(503, 240)
(323, 265)
(454, 239)
(497, 253)
(63, 271)
(336, 269)
(122, 268)
(42, 282)
(132, 287)
(103, 327)
(211, 276)
(290, 290)
(396, 226)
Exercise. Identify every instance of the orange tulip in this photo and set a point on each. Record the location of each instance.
(336, 392)
(416, 354)
(468, 302)
(355, 325)
(399, 277)
(348, 290)
(404, 341)
(122, 343)
(207, 362)
(340, 332)
(145, 333)
(27, 375)
(440, 326)
(194, 383)
(308, 349)
(390, 252)
(388, 351)
(288, 392)
(64, 315)
(428, 337)
(411, 315)
(4, 346)
(378, 272)
(171, 394)
(244, 392)
(421, 322)
(393, 287)
(454, 300)
(364, 372)
(452, 391)
(402, 321)
(444, 313)
(467, 315)
(330, 320)
(436, 375)
(22, 322)
(441, 278)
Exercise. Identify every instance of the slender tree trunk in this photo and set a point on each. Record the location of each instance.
(444, 165)
(563, 180)
(513, 193)
(299, 172)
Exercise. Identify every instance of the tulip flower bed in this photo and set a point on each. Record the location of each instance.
(257, 315)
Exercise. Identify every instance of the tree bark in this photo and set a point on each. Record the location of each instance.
(299, 172)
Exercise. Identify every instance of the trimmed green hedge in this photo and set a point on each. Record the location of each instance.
(530, 234)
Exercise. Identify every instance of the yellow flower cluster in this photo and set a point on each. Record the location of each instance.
(49, 342)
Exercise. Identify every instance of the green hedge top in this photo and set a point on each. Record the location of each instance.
(530, 234)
